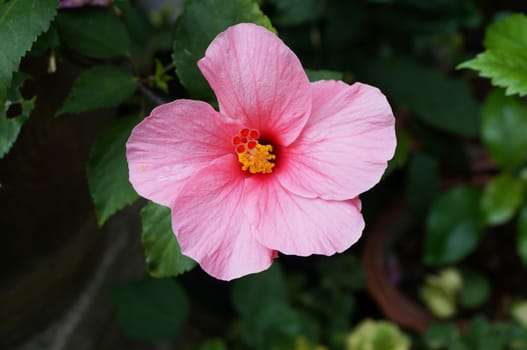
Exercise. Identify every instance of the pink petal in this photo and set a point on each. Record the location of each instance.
(211, 226)
(297, 225)
(173, 143)
(345, 145)
(258, 80)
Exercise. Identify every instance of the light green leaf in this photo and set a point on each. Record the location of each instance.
(453, 227)
(161, 78)
(94, 32)
(323, 74)
(107, 170)
(162, 251)
(505, 60)
(436, 99)
(501, 198)
(377, 335)
(99, 87)
(10, 126)
(21, 22)
(507, 33)
(211, 17)
(506, 68)
(503, 125)
(521, 243)
(150, 309)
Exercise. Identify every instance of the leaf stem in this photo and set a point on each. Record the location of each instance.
(152, 96)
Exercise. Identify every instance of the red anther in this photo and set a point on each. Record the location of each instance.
(240, 148)
(244, 132)
(251, 144)
(236, 140)
(254, 134)
(244, 140)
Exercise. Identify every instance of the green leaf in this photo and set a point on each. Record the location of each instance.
(250, 291)
(161, 78)
(162, 251)
(107, 169)
(295, 12)
(46, 41)
(453, 227)
(442, 335)
(211, 17)
(21, 22)
(476, 290)
(10, 126)
(340, 273)
(506, 68)
(501, 198)
(483, 335)
(99, 87)
(503, 125)
(213, 344)
(94, 32)
(323, 74)
(136, 21)
(423, 182)
(271, 325)
(150, 309)
(521, 243)
(505, 60)
(436, 99)
(404, 143)
(507, 33)
(377, 335)
(439, 293)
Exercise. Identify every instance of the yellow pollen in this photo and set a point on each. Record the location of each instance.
(258, 160)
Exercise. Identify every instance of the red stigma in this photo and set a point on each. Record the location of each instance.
(251, 144)
(246, 140)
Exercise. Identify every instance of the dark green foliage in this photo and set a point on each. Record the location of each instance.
(162, 252)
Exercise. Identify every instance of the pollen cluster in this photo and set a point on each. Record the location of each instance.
(254, 157)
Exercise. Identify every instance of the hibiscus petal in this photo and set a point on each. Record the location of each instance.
(345, 145)
(174, 142)
(212, 227)
(258, 80)
(298, 225)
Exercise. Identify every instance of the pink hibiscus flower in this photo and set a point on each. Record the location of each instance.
(278, 169)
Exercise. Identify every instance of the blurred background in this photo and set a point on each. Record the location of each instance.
(90, 265)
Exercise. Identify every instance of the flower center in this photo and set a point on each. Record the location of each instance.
(254, 157)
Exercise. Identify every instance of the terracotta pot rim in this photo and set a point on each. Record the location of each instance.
(394, 304)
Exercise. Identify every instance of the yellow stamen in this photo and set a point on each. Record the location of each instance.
(258, 160)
